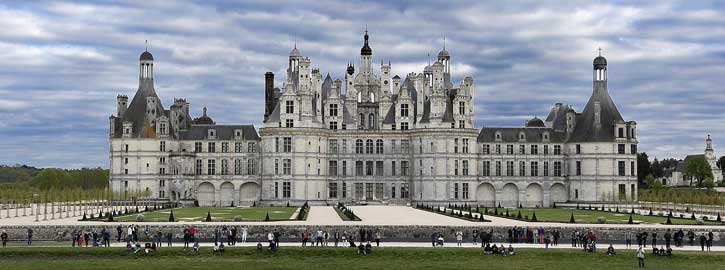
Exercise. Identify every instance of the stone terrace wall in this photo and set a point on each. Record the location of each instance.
(294, 232)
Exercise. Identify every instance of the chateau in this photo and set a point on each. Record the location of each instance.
(372, 137)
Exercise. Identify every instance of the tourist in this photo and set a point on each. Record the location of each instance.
(30, 236)
(137, 247)
(668, 236)
(511, 233)
(192, 233)
(459, 238)
(640, 258)
(691, 236)
(129, 247)
(327, 237)
(494, 249)
(368, 248)
(169, 238)
(196, 246)
(361, 249)
(628, 239)
(119, 232)
(654, 238)
(344, 238)
(146, 232)
(556, 237)
(377, 238)
(217, 235)
(502, 249)
(546, 242)
(639, 239)
(270, 238)
(305, 237)
(259, 248)
(644, 239)
(655, 251)
(511, 250)
(86, 238)
(187, 237)
(336, 235)
(159, 235)
(147, 248)
(4, 238)
(440, 240)
(129, 235)
(542, 234)
(702, 241)
(276, 235)
(475, 237)
(106, 237)
(433, 238)
(244, 234)
(610, 250)
(709, 240)
(318, 238)
(574, 237)
(233, 233)
(487, 249)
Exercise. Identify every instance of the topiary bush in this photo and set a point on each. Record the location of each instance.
(140, 217)
(533, 217)
(208, 216)
(171, 216)
(571, 219)
(601, 220)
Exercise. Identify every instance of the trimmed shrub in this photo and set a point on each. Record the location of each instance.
(171, 216)
(266, 218)
(693, 216)
(533, 217)
(110, 217)
(208, 216)
(140, 217)
(571, 219)
(650, 212)
(630, 220)
(719, 219)
(518, 215)
(601, 220)
(669, 221)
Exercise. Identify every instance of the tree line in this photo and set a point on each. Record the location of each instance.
(695, 168)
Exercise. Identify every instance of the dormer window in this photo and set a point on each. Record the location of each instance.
(498, 135)
(211, 134)
(522, 137)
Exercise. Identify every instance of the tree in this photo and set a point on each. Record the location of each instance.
(697, 168)
(709, 183)
(643, 167)
(657, 170)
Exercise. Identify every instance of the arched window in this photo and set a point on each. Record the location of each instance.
(369, 146)
(359, 96)
(358, 146)
(379, 146)
(362, 120)
(371, 121)
(372, 97)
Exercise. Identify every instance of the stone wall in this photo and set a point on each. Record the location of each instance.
(389, 233)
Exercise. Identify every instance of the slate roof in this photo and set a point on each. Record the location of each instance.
(585, 129)
(136, 112)
(511, 134)
(223, 132)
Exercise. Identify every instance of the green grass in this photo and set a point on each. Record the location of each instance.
(345, 258)
(590, 216)
(217, 214)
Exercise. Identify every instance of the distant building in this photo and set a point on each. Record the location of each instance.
(373, 137)
(674, 175)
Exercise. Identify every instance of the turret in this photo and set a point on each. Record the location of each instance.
(385, 78)
(122, 105)
(268, 94)
(599, 73)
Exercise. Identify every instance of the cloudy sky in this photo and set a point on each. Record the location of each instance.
(63, 63)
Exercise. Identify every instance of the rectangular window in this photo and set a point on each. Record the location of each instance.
(622, 192)
(211, 147)
(392, 191)
(368, 168)
(276, 166)
(534, 149)
(359, 168)
(359, 191)
(404, 126)
(403, 168)
(286, 189)
(225, 147)
(344, 146)
(287, 166)
(621, 132)
(557, 149)
(332, 146)
(344, 168)
(276, 190)
(290, 106)
(197, 147)
(546, 149)
(251, 167)
(465, 191)
(379, 191)
(576, 193)
(498, 149)
(276, 145)
(251, 147)
(461, 124)
(290, 123)
(534, 168)
(632, 168)
(498, 168)
(455, 145)
(404, 191)
(211, 167)
(486, 168)
(332, 168)
(522, 149)
(557, 168)
(465, 167)
(238, 147)
(333, 109)
(405, 146)
(237, 166)
(198, 167)
(620, 149)
(344, 190)
(403, 110)
(332, 188)
(455, 167)
(578, 167)
(486, 149)
(633, 149)
(522, 168)
(333, 125)
(622, 169)
(379, 168)
(225, 167)
(162, 171)
(510, 149)
(393, 168)
(465, 146)
(287, 145)
(162, 146)
(461, 108)
(578, 149)
(546, 168)
(509, 168)
(455, 191)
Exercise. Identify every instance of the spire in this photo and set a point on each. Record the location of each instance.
(444, 42)
(204, 111)
(600, 51)
(147, 46)
(366, 50)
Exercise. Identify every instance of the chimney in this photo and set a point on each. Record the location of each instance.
(268, 94)
(122, 104)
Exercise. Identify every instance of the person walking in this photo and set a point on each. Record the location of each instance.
(628, 239)
(318, 238)
(119, 232)
(459, 238)
(702, 241)
(709, 240)
(640, 258)
(668, 237)
(187, 237)
(654, 238)
(377, 238)
(244, 235)
(30, 236)
(169, 238)
(234, 236)
(106, 237)
(4, 238)
(305, 238)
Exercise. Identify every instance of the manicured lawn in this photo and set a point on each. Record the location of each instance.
(590, 216)
(345, 258)
(217, 214)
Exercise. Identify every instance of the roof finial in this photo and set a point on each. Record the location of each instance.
(295, 40)
(429, 58)
(444, 42)
(147, 45)
(204, 110)
(600, 51)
